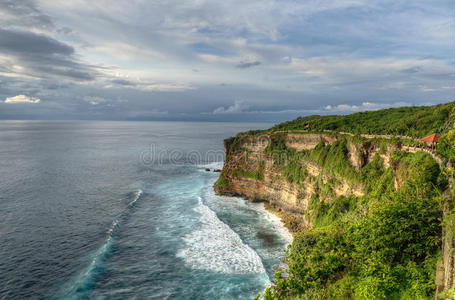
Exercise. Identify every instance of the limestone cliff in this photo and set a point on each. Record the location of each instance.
(285, 171)
(251, 171)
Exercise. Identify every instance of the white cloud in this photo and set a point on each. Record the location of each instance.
(165, 87)
(237, 107)
(94, 100)
(153, 113)
(240, 108)
(346, 108)
(22, 99)
(344, 68)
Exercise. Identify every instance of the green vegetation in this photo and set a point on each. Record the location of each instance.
(448, 294)
(277, 143)
(324, 214)
(222, 181)
(416, 121)
(295, 171)
(333, 160)
(383, 245)
(257, 174)
(446, 145)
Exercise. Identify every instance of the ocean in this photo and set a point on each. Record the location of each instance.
(126, 210)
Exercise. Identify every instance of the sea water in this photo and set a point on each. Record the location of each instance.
(126, 210)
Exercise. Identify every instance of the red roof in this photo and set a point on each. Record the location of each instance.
(434, 138)
(308, 126)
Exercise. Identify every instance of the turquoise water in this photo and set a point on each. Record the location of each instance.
(126, 210)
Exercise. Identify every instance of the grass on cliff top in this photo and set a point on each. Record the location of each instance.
(414, 121)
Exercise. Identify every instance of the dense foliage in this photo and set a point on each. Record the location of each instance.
(255, 174)
(383, 245)
(446, 145)
(415, 121)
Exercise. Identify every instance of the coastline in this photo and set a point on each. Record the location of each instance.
(285, 224)
(280, 225)
(290, 221)
(282, 228)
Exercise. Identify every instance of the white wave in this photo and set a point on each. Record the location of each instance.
(216, 247)
(213, 165)
(112, 228)
(136, 197)
(277, 223)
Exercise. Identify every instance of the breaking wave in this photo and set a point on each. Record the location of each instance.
(214, 246)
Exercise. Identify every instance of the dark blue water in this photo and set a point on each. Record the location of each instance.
(125, 210)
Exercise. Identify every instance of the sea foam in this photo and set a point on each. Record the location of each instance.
(277, 223)
(214, 246)
(136, 197)
(212, 165)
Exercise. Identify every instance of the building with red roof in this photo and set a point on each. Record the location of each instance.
(431, 140)
(434, 138)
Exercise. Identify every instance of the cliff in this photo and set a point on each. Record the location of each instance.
(253, 171)
(328, 184)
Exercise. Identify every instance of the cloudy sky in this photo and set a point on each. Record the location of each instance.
(226, 60)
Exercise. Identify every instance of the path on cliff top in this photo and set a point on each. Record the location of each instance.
(412, 149)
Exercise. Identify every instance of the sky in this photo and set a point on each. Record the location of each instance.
(222, 60)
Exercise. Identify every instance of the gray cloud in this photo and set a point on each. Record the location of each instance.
(246, 65)
(123, 82)
(412, 70)
(23, 13)
(31, 44)
(42, 56)
(237, 107)
(365, 106)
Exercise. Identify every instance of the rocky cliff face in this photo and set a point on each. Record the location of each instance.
(251, 171)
